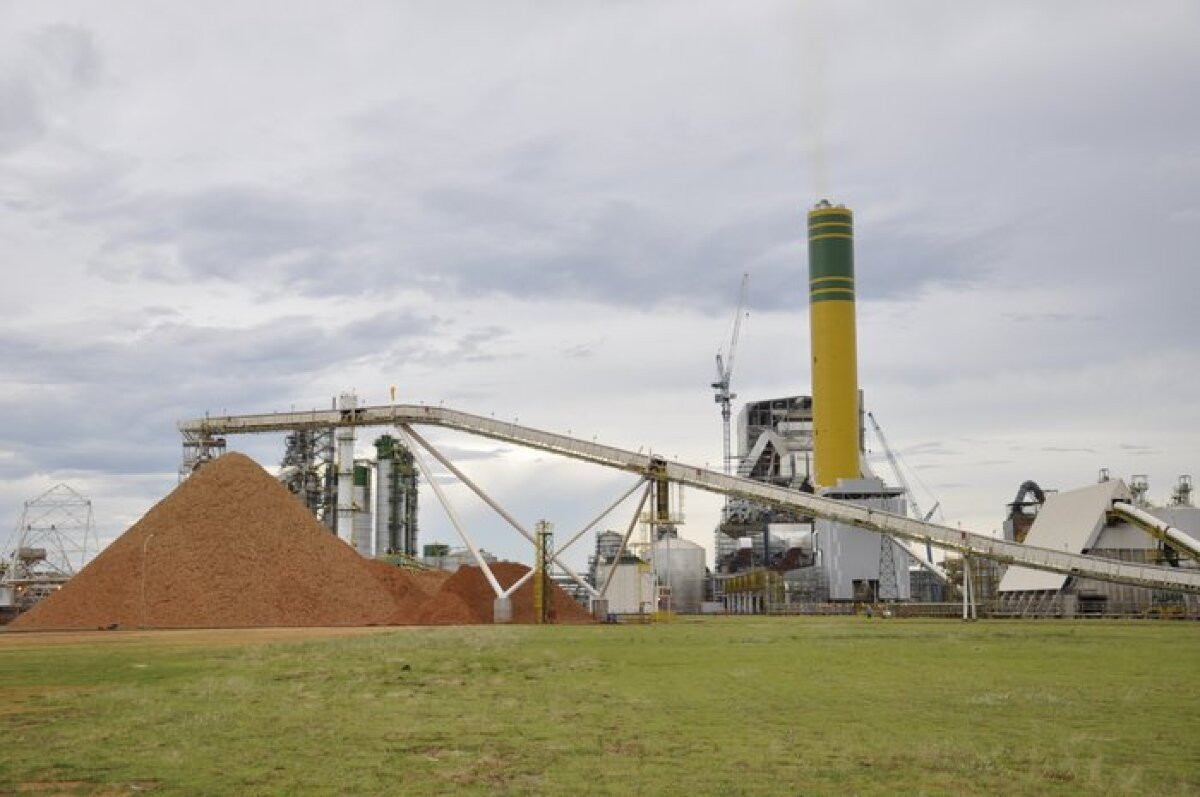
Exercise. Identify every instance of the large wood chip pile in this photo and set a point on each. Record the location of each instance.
(231, 547)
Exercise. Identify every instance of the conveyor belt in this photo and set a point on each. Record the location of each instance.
(1144, 575)
(1157, 528)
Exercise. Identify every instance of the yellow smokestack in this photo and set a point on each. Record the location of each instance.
(834, 344)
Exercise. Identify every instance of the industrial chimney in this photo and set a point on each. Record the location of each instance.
(834, 344)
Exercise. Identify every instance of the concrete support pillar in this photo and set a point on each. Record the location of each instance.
(502, 611)
(600, 609)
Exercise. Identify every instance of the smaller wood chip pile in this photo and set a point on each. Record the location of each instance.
(231, 547)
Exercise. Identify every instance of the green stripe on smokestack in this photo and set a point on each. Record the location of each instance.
(830, 247)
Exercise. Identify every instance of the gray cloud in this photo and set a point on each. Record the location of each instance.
(237, 234)
(108, 401)
(20, 116)
(52, 64)
(409, 206)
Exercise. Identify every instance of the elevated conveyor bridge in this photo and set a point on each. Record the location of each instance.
(202, 433)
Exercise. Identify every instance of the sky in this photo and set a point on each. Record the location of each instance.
(543, 211)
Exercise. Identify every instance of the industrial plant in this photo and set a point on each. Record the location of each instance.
(54, 538)
(807, 526)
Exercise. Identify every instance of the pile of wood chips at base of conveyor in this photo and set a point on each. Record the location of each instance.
(230, 547)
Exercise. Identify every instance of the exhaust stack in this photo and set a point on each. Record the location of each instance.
(834, 344)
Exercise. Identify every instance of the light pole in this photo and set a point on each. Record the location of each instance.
(142, 623)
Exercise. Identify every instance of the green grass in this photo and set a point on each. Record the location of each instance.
(721, 706)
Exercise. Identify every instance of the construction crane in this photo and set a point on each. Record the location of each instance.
(908, 491)
(725, 371)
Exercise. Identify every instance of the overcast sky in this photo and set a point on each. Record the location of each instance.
(543, 210)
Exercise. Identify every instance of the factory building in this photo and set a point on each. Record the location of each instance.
(665, 575)
(307, 470)
(632, 588)
(396, 498)
(371, 504)
(814, 444)
(1114, 521)
(440, 556)
(861, 565)
(774, 444)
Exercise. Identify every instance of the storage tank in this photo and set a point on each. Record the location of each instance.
(362, 508)
(679, 565)
(632, 590)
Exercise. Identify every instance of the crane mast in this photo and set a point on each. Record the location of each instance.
(725, 373)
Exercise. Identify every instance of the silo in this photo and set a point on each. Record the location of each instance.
(632, 589)
(362, 508)
(679, 565)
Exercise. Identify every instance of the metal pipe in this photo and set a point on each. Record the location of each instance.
(462, 532)
(600, 517)
(508, 593)
(1157, 528)
(573, 540)
(512, 521)
(637, 513)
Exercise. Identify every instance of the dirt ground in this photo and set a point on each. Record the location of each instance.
(10, 640)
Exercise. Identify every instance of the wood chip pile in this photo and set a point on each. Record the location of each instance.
(231, 547)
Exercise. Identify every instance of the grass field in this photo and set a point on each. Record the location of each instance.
(718, 706)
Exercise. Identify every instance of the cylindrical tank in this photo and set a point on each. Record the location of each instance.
(362, 508)
(632, 589)
(834, 344)
(679, 564)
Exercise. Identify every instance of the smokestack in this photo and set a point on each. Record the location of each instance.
(834, 344)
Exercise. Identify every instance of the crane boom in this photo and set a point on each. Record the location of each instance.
(891, 458)
(737, 326)
(903, 482)
(725, 373)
